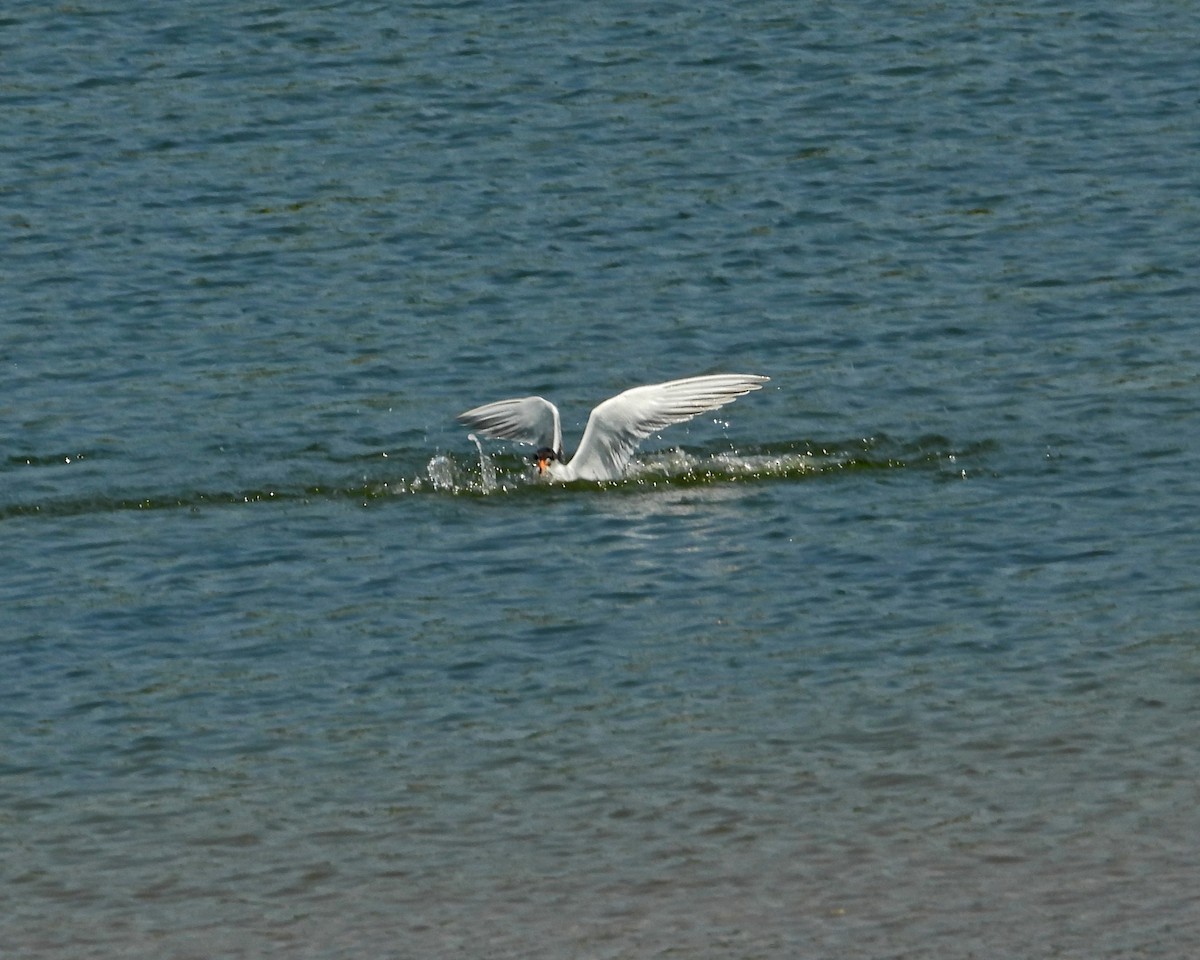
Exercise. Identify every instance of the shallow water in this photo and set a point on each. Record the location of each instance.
(896, 657)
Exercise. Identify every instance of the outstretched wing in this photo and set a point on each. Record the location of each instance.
(526, 420)
(617, 426)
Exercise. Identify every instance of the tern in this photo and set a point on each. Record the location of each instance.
(614, 428)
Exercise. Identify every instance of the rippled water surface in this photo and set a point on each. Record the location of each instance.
(897, 657)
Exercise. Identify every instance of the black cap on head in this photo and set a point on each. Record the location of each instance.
(543, 458)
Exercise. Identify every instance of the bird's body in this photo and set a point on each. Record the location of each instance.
(614, 428)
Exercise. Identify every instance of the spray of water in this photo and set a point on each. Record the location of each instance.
(441, 472)
(487, 469)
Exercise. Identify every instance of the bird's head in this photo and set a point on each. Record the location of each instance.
(544, 457)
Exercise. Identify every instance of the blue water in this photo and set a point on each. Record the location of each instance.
(897, 657)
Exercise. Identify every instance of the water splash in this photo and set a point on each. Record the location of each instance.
(678, 466)
(441, 473)
(447, 476)
(487, 469)
(508, 473)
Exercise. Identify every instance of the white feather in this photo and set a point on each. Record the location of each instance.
(615, 427)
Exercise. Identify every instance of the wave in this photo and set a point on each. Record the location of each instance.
(487, 474)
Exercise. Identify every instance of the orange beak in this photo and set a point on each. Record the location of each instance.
(543, 462)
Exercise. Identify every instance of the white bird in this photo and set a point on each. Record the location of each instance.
(614, 428)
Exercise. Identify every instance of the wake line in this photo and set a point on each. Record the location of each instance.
(509, 474)
(66, 507)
